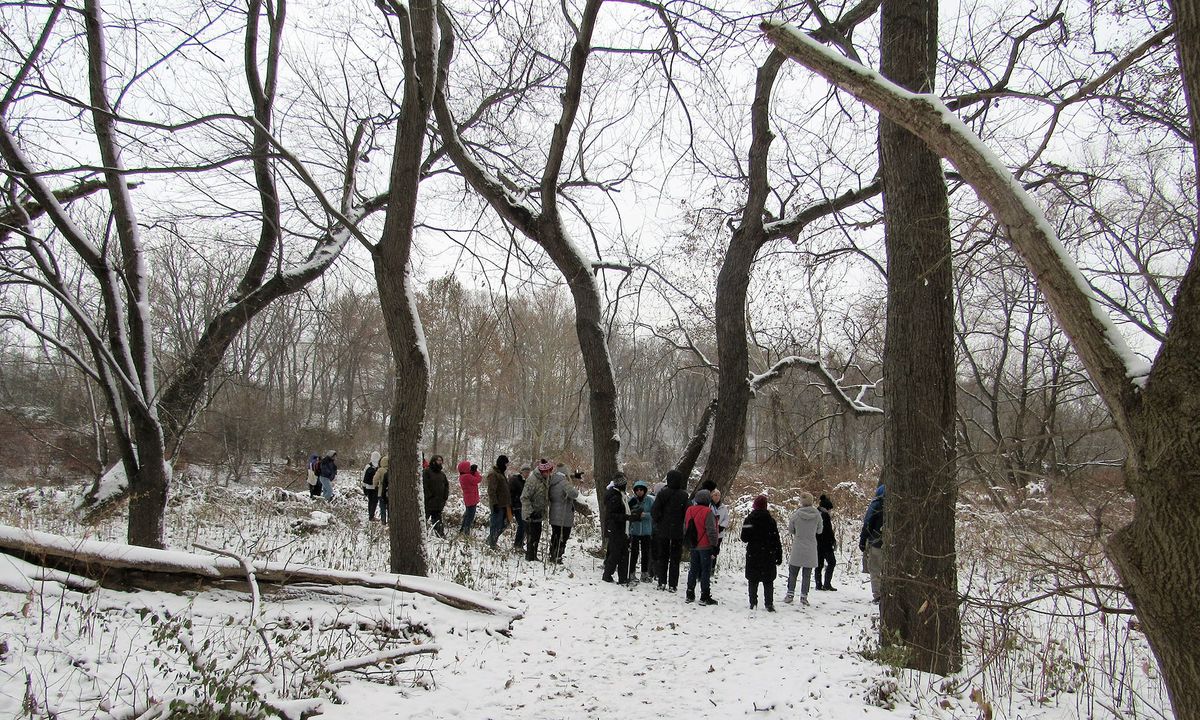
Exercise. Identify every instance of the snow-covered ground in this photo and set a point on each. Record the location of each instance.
(581, 647)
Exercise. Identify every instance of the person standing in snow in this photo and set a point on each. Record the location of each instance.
(666, 516)
(721, 511)
(700, 527)
(314, 482)
(826, 544)
(803, 526)
(535, 501)
(436, 487)
(641, 531)
(870, 541)
(562, 512)
(327, 473)
(516, 485)
(499, 500)
(616, 515)
(764, 552)
(469, 480)
(368, 485)
(381, 486)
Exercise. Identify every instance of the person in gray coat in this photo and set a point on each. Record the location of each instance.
(562, 512)
(803, 526)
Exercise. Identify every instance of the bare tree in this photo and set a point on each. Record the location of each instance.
(1155, 552)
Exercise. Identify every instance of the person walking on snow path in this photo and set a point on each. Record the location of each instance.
(803, 526)
(826, 544)
(327, 473)
(870, 541)
(562, 512)
(436, 487)
(368, 485)
(616, 515)
(535, 500)
(641, 531)
(700, 531)
(499, 500)
(764, 552)
(670, 505)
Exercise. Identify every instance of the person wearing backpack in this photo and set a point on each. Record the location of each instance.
(368, 485)
(314, 482)
(700, 532)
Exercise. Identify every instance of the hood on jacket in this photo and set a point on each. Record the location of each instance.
(642, 484)
(879, 491)
(808, 512)
(464, 467)
(825, 502)
(675, 479)
(704, 497)
(383, 462)
(375, 458)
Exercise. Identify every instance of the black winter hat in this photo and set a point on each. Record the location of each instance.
(502, 462)
(675, 479)
(825, 503)
(619, 480)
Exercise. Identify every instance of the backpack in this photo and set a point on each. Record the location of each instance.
(690, 535)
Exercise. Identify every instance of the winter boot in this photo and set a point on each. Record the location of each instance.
(706, 600)
(789, 597)
(803, 599)
(828, 577)
(691, 596)
(645, 577)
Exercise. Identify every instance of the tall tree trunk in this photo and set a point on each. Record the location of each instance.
(148, 485)
(919, 607)
(397, 291)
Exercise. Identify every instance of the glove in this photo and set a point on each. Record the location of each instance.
(862, 546)
(636, 515)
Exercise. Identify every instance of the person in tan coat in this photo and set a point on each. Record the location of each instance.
(499, 499)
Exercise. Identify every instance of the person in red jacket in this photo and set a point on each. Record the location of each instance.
(469, 480)
(700, 525)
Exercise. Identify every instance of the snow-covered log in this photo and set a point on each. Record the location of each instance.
(98, 560)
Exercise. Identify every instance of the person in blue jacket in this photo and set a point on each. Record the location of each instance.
(641, 530)
(870, 541)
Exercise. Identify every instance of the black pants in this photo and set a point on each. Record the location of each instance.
(533, 538)
(768, 592)
(617, 557)
(372, 502)
(666, 561)
(383, 507)
(315, 490)
(639, 545)
(558, 541)
(435, 519)
(519, 540)
(826, 561)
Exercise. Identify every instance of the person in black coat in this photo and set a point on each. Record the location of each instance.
(826, 544)
(667, 513)
(616, 518)
(436, 487)
(764, 552)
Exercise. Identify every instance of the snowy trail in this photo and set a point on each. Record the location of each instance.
(586, 648)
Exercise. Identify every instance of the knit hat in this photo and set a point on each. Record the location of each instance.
(545, 467)
(703, 497)
(525, 467)
(502, 462)
(760, 502)
(619, 480)
(825, 502)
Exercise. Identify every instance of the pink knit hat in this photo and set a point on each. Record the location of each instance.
(545, 467)
(760, 502)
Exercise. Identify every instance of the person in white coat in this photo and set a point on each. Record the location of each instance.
(803, 526)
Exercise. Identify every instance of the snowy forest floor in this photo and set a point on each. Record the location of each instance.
(582, 648)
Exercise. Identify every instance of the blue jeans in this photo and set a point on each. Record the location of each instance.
(496, 525)
(519, 540)
(700, 569)
(326, 488)
(468, 520)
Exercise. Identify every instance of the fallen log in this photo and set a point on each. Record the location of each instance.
(110, 562)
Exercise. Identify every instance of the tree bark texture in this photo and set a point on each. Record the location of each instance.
(919, 606)
(393, 275)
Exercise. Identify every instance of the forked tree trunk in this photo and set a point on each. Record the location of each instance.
(919, 606)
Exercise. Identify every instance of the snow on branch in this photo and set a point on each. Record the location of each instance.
(853, 404)
(1116, 370)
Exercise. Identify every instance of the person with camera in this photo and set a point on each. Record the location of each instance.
(535, 501)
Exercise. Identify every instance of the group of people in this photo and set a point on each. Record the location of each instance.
(642, 528)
